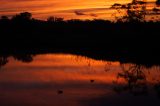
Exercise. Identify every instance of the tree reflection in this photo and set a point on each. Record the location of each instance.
(135, 79)
(27, 58)
(3, 61)
(24, 57)
(157, 89)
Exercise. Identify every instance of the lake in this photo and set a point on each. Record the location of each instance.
(73, 80)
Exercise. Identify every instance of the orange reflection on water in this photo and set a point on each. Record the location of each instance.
(65, 79)
(58, 68)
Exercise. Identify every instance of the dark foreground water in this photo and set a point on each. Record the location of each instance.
(71, 80)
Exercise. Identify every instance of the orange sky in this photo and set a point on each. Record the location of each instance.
(68, 9)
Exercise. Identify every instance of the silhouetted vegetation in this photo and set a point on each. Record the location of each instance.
(23, 27)
(136, 80)
(3, 61)
(158, 2)
(20, 57)
(130, 39)
(126, 41)
(157, 88)
(54, 19)
(137, 10)
(24, 57)
(26, 16)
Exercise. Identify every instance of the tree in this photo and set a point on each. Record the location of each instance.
(54, 19)
(3, 61)
(134, 11)
(23, 16)
(24, 57)
(157, 2)
(135, 80)
(4, 18)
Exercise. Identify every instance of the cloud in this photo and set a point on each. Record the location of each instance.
(79, 13)
(93, 15)
(83, 10)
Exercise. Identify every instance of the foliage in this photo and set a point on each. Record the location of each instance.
(133, 12)
(136, 11)
(23, 16)
(54, 19)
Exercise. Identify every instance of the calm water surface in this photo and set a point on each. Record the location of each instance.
(71, 80)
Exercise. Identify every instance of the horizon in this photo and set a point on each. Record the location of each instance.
(79, 52)
(67, 9)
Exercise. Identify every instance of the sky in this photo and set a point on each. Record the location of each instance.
(67, 9)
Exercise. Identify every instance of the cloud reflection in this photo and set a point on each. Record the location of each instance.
(82, 80)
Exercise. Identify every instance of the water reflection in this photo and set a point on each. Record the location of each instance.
(20, 57)
(135, 79)
(65, 79)
(3, 61)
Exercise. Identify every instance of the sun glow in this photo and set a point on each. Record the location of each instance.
(60, 8)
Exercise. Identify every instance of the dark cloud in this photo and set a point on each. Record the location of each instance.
(93, 15)
(83, 10)
(79, 13)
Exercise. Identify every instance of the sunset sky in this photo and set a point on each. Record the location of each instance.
(68, 9)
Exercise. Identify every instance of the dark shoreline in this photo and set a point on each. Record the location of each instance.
(139, 57)
(135, 42)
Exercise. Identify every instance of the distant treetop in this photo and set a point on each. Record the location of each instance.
(23, 16)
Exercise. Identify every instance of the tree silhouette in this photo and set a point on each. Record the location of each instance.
(158, 2)
(4, 18)
(54, 19)
(157, 89)
(24, 57)
(134, 11)
(135, 78)
(22, 16)
(3, 61)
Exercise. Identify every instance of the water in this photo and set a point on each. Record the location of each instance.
(71, 80)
